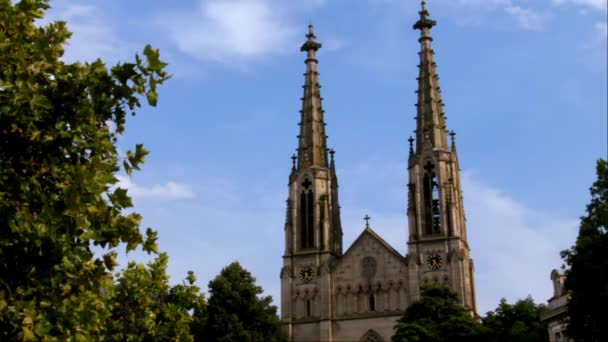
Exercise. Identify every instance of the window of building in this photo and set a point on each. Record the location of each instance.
(307, 214)
(372, 303)
(308, 308)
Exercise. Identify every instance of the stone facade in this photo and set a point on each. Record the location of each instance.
(557, 308)
(359, 294)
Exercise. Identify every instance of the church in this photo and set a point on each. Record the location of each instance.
(332, 293)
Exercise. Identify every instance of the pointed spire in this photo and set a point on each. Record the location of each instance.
(312, 149)
(430, 118)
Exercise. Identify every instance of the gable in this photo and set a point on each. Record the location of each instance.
(370, 260)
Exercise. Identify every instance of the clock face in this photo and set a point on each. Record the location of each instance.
(434, 261)
(306, 274)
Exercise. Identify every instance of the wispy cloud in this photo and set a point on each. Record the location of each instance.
(515, 247)
(602, 30)
(92, 33)
(168, 191)
(526, 17)
(594, 4)
(231, 30)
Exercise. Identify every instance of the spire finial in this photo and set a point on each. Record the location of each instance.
(367, 218)
(424, 24)
(310, 43)
(331, 154)
(293, 162)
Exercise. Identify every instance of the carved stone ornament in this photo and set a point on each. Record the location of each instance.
(368, 267)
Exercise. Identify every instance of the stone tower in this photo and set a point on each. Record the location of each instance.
(313, 233)
(437, 245)
(359, 294)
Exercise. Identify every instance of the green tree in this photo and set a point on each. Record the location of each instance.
(236, 312)
(58, 159)
(145, 308)
(437, 317)
(587, 260)
(516, 322)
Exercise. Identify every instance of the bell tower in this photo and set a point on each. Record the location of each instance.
(313, 232)
(437, 244)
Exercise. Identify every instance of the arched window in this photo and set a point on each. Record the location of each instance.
(307, 216)
(371, 336)
(431, 200)
(372, 303)
(308, 308)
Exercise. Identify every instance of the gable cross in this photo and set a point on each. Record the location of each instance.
(367, 218)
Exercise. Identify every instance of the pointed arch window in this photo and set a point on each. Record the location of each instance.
(307, 215)
(371, 336)
(372, 303)
(308, 308)
(432, 210)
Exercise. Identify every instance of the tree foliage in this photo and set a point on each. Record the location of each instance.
(587, 276)
(145, 307)
(57, 165)
(437, 317)
(516, 322)
(236, 312)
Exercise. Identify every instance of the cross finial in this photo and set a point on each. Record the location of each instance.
(331, 154)
(367, 218)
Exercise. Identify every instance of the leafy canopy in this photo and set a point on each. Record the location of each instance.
(58, 159)
(516, 322)
(437, 317)
(237, 312)
(587, 276)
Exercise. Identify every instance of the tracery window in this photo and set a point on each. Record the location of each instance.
(307, 214)
(371, 336)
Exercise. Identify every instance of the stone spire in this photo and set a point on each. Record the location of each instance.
(430, 117)
(312, 149)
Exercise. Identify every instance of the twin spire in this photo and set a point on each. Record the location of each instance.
(430, 116)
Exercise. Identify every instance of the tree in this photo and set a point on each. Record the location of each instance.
(145, 308)
(587, 276)
(236, 312)
(516, 322)
(437, 317)
(58, 159)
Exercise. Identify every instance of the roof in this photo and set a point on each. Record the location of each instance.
(377, 237)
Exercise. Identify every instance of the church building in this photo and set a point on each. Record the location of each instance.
(329, 293)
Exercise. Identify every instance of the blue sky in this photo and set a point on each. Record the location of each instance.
(524, 84)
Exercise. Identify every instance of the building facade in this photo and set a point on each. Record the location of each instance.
(557, 308)
(328, 294)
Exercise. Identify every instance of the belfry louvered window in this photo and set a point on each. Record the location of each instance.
(307, 216)
(432, 211)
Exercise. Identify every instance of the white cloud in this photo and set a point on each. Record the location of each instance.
(514, 247)
(170, 190)
(92, 33)
(526, 17)
(595, 4)
(231, 30)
